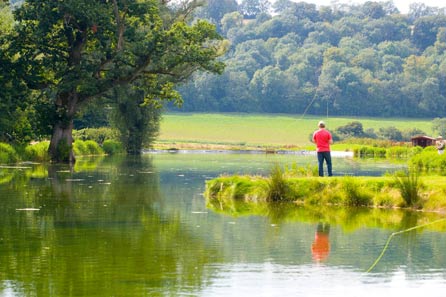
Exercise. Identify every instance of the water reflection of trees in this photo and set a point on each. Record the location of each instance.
(98, 233)
(364, 232)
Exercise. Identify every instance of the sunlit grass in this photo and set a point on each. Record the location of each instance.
(265, 129)
(381, 192)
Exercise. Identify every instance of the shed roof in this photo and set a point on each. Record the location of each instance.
(422, 137)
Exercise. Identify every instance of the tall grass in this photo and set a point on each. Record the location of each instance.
(392, 152)
(429, 161)
(354, 193)
(409, 184)
(37, 152)
(277, 188)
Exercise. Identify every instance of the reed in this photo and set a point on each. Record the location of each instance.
(404, 189)
(409, 184)
(277, 188)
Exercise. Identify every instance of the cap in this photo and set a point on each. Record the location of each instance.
(321, 123)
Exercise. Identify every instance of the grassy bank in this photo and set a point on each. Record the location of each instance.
(427, 193)
(204, 130)
(38, 152)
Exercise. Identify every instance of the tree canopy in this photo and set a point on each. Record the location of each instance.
(343, 59)
(78, 51)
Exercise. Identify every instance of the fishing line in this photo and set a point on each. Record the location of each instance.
(397, 233)
(309, 105)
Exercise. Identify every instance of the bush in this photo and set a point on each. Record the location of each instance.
(112, 147)
(8, 154)
(390, 133)
(37, 152)
(93, 148)
(353, 129)
(87, 148)
(98, 135)
(79, 148)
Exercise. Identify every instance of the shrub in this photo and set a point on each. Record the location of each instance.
(7, 153)
(353, 129)
(93, 148)
(79, 148)
(37, 152)
(390, 133)
(87, 148)
(112, 147)
(99, 135)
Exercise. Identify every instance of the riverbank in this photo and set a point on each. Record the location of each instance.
(164, 145)
(348, 191)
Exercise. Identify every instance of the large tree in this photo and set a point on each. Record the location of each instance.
(14, 117)
(80, 50)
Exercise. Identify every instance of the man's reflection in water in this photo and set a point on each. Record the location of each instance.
(321, 244)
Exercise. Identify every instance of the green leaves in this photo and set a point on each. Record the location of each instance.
(78, 51)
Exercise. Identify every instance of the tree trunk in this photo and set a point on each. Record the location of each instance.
(61, 145)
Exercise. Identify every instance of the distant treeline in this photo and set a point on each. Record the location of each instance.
(355, 60)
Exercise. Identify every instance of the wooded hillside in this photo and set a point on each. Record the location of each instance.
(356, 60)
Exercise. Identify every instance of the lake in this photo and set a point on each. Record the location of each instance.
(118, 226)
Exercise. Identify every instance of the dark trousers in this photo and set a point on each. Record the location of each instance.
(321, 156)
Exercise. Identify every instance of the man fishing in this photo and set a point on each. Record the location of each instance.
(323, 139)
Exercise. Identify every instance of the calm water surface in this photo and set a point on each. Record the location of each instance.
(141, 227)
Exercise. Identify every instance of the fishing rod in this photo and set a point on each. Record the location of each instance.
(397, 233)
(311, 103)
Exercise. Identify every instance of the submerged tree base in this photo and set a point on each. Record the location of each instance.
(348, 191)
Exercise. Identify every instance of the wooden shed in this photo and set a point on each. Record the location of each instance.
(422, 141)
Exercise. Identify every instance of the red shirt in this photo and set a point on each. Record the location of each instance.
(320, 247)
(322, 139)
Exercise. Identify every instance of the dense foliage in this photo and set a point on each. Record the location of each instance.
(357, 60)
(69, 54)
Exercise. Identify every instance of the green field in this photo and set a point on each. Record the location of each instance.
(263, 129)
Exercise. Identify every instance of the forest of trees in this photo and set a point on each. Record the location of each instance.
(355, 60)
